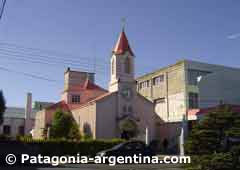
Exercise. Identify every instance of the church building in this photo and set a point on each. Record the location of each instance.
(117, 112)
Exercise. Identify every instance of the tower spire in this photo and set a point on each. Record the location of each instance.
(122, 44)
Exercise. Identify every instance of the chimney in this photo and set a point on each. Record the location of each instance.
(28, 112)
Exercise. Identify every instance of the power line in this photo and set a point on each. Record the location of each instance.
(2, 9)
(44, 57)
(50, 53)
(41, 56)
(29, 75)
(22, 58)
(26, 55)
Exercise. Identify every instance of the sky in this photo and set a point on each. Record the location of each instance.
(39, 39)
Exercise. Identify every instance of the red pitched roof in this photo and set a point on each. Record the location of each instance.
(59, 105)
(203, 111)
(122, 45)
(87, 85)
(88, 91)
(95, 99)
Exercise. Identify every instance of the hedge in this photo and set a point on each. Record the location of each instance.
(216, 161)
(67, 147)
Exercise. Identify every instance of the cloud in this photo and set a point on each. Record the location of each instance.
(234, 36)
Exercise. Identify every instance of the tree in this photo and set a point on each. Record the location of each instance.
(128, 128)
(64, 126)
(2, 106)
(212, 140)
(74, 131)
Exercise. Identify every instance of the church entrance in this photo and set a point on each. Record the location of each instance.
(128, 128)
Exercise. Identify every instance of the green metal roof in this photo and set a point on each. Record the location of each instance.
(17, 112)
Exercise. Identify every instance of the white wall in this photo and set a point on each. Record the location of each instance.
(176, 108)
(86, 118)
(106, 121)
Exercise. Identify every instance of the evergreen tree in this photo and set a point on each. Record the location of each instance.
(63, 126)
(74, 131)
(211, 140)
(2, 106)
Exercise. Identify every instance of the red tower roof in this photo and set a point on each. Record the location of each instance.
(122, 45)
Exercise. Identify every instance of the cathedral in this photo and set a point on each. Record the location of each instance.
(117, 112)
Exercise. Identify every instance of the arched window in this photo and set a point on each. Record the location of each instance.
(113, 66)
(127, 65)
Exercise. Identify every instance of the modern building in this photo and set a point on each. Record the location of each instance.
(20, 120)
(220, 87)
(113, 113)
(188, 85)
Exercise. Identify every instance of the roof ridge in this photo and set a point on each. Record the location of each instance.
(122, 44)
(95, 99)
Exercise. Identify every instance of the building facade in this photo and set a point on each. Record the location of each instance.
(20, 120)
(117, 112)
(187, 85)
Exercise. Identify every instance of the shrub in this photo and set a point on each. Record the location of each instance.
(70, 147)
(235, 151)
(212, 142)
(4, 137)
(64, 126)
(216, 161)
(2, 106)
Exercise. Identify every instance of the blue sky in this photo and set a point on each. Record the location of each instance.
(160, 33)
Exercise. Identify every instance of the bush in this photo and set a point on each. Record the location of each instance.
(4, 137)
(2, 106)
(212, 142)
(221, 161)
(235, 151)
(216, 161)
(64, 126)
(70, 147)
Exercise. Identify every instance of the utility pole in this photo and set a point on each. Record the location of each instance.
(2, 8)
(146, 136)
(182, 135)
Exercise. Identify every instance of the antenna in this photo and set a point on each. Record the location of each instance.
(123, 22)
(2, 8)
(94, 64)
(94, 58)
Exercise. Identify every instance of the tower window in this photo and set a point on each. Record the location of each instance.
(113, 66)
(75, 98)
(127, 65)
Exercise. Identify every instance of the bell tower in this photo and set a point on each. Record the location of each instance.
(122, 65)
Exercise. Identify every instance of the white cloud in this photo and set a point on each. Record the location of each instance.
(234, 36)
